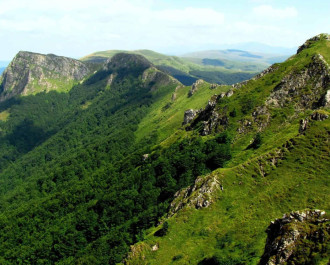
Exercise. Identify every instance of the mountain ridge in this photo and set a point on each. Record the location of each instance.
(264, 178)
(30, 73)
(129, 158)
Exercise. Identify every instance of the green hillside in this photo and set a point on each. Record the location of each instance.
(276, 167)
(188, 71)
(130, 166)
(67, 157)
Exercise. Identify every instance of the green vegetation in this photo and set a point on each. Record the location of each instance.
(188, 70)
(273, 170)
(88, 173)
(4, 115)
(166, 115)
(232, 231)
(59, 84)
(72, 163)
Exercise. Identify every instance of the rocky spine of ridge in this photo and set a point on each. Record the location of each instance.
(296, 238)
(310, 41)
(289, 91)
(291, 86)
(29, 73)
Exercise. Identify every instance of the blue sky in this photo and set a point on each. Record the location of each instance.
(78, 27)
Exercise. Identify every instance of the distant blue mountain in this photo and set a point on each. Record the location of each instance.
(2, 69)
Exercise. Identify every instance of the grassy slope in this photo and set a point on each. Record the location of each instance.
(27, 203)
(182, 64)
(166, 115)
(233, 229)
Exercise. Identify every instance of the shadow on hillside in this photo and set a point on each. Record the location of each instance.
(26, 136)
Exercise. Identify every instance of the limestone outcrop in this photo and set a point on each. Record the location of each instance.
(199, 195)
(30, 73)
(292, 87)
(296, 238)
(189, 115)
(194, 87)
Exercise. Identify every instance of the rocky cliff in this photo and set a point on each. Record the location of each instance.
(30, 73)
(297, 238)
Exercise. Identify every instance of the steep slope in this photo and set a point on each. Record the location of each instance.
(77, 182)
(279, 127)
(31, 73)
(297, 238)
(128, 155)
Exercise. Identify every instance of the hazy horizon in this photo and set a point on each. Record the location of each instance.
(77, 28)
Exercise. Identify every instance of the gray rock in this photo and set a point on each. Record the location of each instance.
(194, 87)
(29, 73)
(286, 234)
(173, 98)
(291, 88)
(229, 93)
(303, 125)
(319, 116)
(315, 116)
(189, 115)
(326, 100)
(199, 195)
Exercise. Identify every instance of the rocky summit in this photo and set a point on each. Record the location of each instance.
(31, 73)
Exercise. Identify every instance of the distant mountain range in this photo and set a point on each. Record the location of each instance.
(236, 55)
(214, 66)
(253, 47)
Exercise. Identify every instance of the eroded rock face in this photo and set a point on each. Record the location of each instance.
(194, 87)
(199, 195)
(29, 73)
(290, 237)
(315, 116)
(189, 115)
(291, 88)
(210, 117)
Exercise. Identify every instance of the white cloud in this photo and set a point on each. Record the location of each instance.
(79, 27)
(267, 11)
(127, 24)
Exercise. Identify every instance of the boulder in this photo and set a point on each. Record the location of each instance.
(189, 115)
(289, 237)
